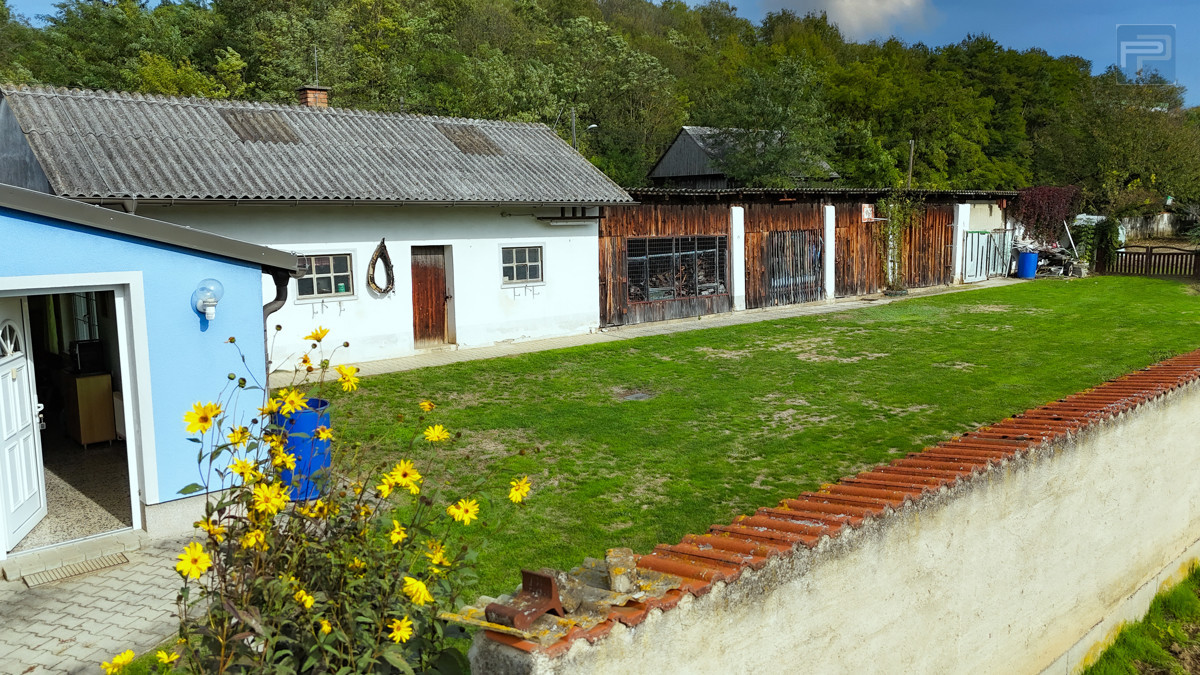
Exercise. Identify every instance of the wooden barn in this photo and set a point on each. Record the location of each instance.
(683, 252)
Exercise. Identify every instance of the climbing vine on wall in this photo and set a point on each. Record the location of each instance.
(899, 213)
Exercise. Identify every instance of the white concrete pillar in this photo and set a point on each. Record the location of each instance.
(737, 253)
(962, 223)
(829, 259)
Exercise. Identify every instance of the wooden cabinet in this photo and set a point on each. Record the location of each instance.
(89, 400)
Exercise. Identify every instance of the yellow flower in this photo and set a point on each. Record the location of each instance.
(357, 565)
(519, 490)
(255, 539)
(405, 475)
(363, 511)
(357, 486)
(305, 361)
(304, 598)
(269, 498)
(416, 591)
(436, 433)
(283, 460)
(384, 488)
(347, 378)
(427, 405)
(325, 627)
(317, 509)
(402, 630)
(118, 663)
(214, 530)
(398, 533)
(271, 407)
(193, 561)
(292, 400)
(200, 417)
(238, 436)
(464, 511)
(276, 439)
(324, 433)
(317, 335)
(166, 658)
(246, 469)
(437, 556)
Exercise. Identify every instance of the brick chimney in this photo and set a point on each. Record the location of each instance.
(313, 96)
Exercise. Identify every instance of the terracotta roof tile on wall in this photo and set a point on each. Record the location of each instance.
(98, 144)
(725, 551)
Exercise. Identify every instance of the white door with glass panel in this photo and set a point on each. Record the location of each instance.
(22, 480)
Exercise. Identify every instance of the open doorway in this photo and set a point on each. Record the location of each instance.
(76, 365)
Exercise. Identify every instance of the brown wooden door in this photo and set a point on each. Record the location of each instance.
(429, 295)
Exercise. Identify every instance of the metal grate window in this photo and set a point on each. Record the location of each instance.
(521, 264)
(670, 268)
(326, 275)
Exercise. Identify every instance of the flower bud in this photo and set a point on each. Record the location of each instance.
(278, 327)
(232, 339)
(232, 376)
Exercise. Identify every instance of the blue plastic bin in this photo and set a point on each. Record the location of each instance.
(312, 453)
(1027, 264)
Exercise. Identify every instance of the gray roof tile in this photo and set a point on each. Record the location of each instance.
(97, 144)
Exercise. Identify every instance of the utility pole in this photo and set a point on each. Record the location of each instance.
(574, 140)
(316, 69)
(912, 145)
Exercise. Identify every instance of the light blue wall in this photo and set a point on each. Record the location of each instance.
(188, 362)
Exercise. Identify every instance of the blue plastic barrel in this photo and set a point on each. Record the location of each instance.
(312, 453)
(1027, 264)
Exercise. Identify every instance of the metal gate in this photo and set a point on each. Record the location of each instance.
(1000, 251)
(976, 249)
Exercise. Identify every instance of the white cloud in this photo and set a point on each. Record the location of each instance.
(864, 18)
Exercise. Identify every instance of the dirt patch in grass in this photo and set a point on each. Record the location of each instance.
(625, 394)
(957, 365)
(817, 350)
(711, 353)
(792, 420)
(480, 449)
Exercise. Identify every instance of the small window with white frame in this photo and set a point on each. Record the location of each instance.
(326, 276)
(521, 264)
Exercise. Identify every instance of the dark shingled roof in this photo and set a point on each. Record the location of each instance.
(97, 144)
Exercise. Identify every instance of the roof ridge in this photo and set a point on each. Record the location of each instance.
(117, 95)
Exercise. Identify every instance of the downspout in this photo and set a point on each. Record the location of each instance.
(281, 278)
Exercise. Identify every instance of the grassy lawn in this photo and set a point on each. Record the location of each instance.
(1166, 641)
(740, 417)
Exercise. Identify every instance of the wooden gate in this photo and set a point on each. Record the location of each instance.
(1000, 253)
(928, 248)
(1153, 261)
(784, 254)
(858, 264)
(429, 295)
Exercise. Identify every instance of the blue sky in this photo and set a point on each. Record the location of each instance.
(1084, 28)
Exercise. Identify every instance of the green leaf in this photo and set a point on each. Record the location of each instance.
(395, 656)
(452, 662)
(192, 488)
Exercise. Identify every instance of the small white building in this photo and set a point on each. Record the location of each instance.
(483, 231)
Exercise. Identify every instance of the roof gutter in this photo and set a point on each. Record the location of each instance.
(102, 201)
(281, 279)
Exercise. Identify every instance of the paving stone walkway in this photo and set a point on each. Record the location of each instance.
(70, 626)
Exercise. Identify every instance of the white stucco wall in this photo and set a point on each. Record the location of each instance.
(1023, 570)
(986, 216)
(483, 311)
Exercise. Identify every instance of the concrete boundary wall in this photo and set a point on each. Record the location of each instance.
(1027, 563)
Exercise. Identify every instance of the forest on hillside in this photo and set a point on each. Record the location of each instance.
(981, 116)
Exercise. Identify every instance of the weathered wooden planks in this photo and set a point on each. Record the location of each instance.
(429, 295)
(858, 268)
(784, 253)
(928, 248)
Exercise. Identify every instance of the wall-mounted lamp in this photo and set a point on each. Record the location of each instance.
(206, 296)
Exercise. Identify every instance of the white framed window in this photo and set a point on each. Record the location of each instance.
(521, 264)
(326, 276)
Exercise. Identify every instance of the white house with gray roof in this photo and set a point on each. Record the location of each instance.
(490, 228)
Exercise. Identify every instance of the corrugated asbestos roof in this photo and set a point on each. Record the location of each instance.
(97, 144)
(38, 203)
